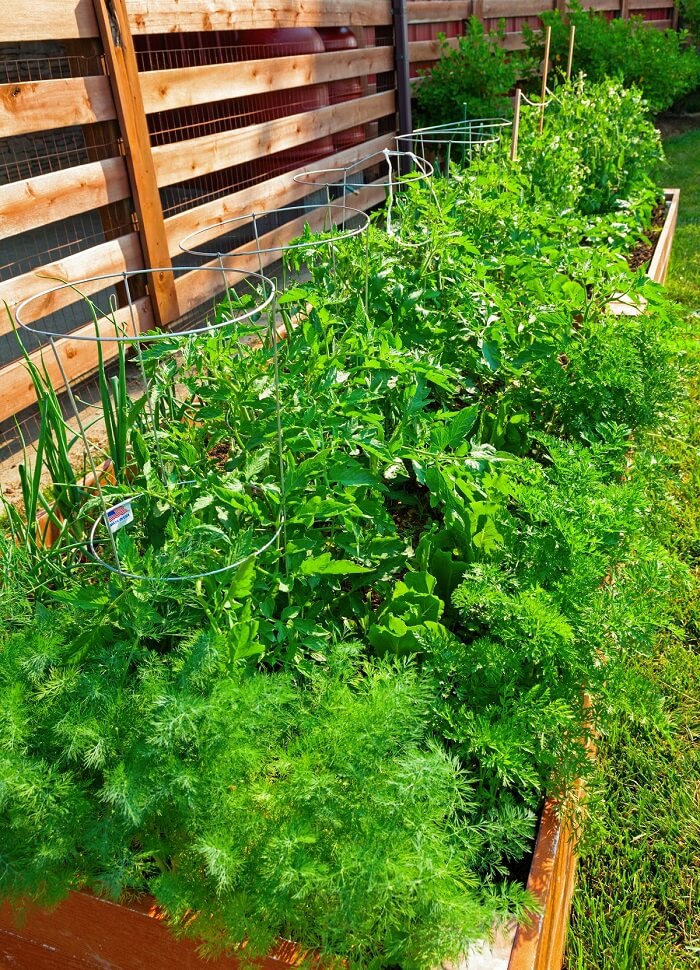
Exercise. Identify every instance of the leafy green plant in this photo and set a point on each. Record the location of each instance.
(597, 144)
(206, 783)
(661, 64)
(458, 415)
(470, 81)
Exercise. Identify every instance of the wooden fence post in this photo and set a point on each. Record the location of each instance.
(121, 62)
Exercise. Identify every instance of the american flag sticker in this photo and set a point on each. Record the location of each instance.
(119, 515)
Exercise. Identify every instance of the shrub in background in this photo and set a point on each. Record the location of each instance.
(470, 81)
(690, 17)
(660, 63)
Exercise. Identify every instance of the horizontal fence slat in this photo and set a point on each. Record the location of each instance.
(79, 358)
(109, 257)
(649, 5)
(429, 50)
(174, 16)
(196, 287)
(514, 8)
(513, 42)
(210, 153)
(58, 195)
(30, 106)
(601, 5)
(438, 11)
(183, 87)
(32, 20)
(272, 194)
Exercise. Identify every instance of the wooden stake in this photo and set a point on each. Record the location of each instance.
(516, 126)
(570, 61)
(120, 56)
(545, 72)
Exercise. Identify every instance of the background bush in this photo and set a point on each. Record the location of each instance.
(471, 81)
(660, 63)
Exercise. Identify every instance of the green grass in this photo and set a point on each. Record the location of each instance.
(637, 903)
(683, 170)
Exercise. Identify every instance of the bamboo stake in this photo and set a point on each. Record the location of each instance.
(570, 61)
(545, 71)
(516, 126)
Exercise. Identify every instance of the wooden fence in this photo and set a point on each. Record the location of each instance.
(126, 125)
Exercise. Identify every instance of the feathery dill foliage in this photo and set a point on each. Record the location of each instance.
(319, 811)
(349, 744)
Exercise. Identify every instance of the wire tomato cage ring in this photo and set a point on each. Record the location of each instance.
(463, 138)
(119, 327)
(333, 222)
(403, 168)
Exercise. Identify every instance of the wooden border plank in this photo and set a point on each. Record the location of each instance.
(210, 153)
(39, 20)
(79, 358)
(437, 11)
(175, 16)
(183, 87)
(271, 194)
(114, 256)
(658, 267)
(124, 75)
(58, 195)
(40, 105)
(201, 285)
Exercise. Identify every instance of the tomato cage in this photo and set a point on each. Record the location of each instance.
(455, 141)
(389, 172)
(261, 238)
(170, 495)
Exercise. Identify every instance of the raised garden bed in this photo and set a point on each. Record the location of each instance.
(85, 931)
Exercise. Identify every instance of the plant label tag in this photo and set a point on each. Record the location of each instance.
(119, 515)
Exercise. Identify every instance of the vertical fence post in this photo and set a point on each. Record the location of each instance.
(401, 60)
(120, 57)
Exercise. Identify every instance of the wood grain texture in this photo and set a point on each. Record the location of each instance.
(658, 267)
(210, 153)
(273, 194)
(643, 5)
(109, 257)
(59, 195)
(79, 358)
(183, 87)
(514, 8)
(174, 16)
(46, 20)
(537, 945)
(84, 933)
(437, 11)
(429, 50)
(39, 105)
(124, 76)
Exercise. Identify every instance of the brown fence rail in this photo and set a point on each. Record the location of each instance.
(126, 125)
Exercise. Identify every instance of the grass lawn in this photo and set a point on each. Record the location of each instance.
(637, 903)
